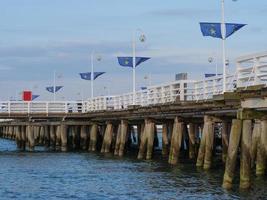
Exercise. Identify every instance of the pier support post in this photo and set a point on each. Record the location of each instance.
(261, 152)
(147, 140)
(41, 135)
(143, 140)
(118, 141)
(176, 141)
(46, 136)
(64, 137)
(58, 136)
(18, 136)
(245, 160)
(93, 137)
(192, 140)
(52, 136)
(23, 137)
(225, 142)
(165, 140)
(123, 137)
(206, 144)
(107, 138)
(84, 138)
(31, 139)
(234, 141)
(36, 132)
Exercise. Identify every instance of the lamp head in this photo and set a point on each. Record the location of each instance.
(99, 58)
(210, 59)
(142, 38)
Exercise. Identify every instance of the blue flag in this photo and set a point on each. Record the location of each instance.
(51, 89)
(87, 75)
(34, 96)
(211, 29)
(128, 61)
(232, 28)
(214, 29)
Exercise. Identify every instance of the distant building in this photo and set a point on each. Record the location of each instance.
(181, 76)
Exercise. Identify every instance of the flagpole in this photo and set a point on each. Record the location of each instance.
(92, 75)
(223, 46)
(54, 88)
(134, 65)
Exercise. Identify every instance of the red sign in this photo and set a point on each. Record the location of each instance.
(27, 95)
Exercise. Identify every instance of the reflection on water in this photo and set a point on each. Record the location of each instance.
(48, 175)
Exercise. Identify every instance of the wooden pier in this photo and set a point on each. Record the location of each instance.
(234, 122)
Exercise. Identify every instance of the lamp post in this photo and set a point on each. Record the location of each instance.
(148, 77)
(223, 29)
(142, 38)
(99, 58)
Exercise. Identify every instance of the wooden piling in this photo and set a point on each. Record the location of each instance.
(209, 145)
(225, 142)
(256, 133)
(58, 136)
(107, 138)
(143, 141)
(245, 159)
(52, 136)
(165, 140)
(123, 137)
(176, 141)
(206, 144)
(192, 140)
(64, 137)
(150, 139)
(118, 141)
(84, 138)
(23, 137)
(46, 136)
(41, 135)
(234, 141)
(261, 153)
(31, 139)
(93, 137)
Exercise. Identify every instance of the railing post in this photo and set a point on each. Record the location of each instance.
(182, 91)
(66, 107)
(8, 107)
(29, 108)
(257, 80)
(204, 89)
(46, 108)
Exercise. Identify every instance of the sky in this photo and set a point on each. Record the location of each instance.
(39, 37)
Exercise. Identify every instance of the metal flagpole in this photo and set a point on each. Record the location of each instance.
(134, 64)
(92, 75)
(223, 27)
(54, 88)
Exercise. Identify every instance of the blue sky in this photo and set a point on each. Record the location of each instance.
(40, 36)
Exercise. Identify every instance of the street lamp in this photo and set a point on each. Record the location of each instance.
(211, 59)
(148, 78)
(223, 28)
(142, 38)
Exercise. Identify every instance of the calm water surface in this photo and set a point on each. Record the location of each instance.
(48, 175)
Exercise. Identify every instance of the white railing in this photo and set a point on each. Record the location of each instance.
(41, 107)
(251, 70)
